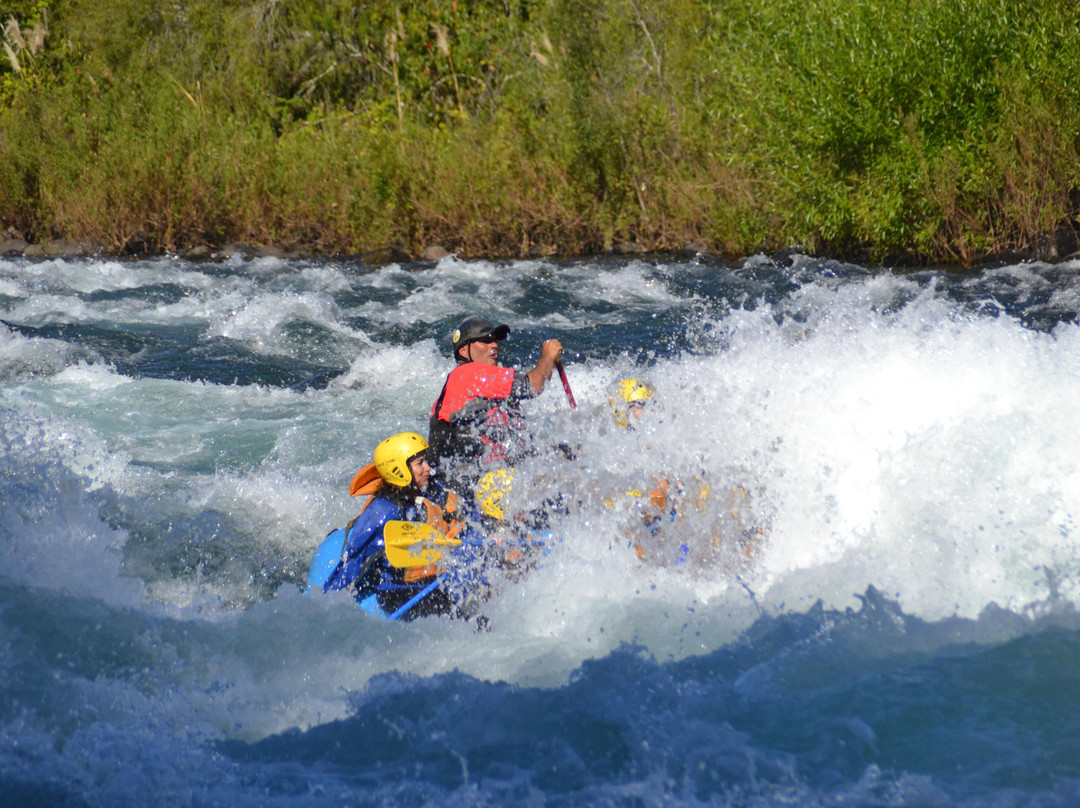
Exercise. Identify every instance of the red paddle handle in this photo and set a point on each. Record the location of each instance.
(565, 383)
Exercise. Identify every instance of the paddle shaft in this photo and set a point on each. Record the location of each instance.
(565, 383)
(423, 593)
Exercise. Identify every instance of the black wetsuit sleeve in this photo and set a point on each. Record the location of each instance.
(521, 388)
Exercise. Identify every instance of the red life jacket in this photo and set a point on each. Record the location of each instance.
(473, 417)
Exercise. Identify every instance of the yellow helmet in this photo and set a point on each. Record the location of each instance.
(632, 392)
(392, 457)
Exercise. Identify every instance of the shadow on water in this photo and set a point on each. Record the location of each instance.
(819, 699)
(183, 353)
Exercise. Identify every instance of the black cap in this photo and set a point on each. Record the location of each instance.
(476, 328)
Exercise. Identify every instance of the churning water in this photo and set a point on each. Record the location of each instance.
(901, 628)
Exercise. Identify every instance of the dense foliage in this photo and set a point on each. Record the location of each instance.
(920, 129)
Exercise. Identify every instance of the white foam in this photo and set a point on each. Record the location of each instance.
(256, 321)
(23, 358)
(53, 534)
(887, 438)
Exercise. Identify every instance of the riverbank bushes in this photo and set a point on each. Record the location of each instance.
(902, 130)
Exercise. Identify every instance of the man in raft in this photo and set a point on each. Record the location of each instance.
(476, 423)
(400, 487)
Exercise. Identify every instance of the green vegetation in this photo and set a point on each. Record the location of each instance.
(938, 130)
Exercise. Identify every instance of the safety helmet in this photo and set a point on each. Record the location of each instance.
(629, 393)
(475, 328)
(392, 457)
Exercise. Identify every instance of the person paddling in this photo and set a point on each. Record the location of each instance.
(400, 486)
(629, 399)
(726, 525)
(476, 423)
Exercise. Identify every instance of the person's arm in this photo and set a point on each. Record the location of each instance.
(539, 375)
(361, 543)
(365, 538)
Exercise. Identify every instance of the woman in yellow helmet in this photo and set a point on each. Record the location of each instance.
(400, 486)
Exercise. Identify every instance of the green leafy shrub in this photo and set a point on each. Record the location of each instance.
(924, 129)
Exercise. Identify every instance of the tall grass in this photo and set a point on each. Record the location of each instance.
(921, 129)
(945, 128)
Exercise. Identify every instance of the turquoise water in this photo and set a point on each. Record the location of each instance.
(178, 437)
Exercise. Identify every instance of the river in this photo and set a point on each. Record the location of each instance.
(900, 630)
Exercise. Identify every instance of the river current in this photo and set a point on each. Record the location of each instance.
(889, 618)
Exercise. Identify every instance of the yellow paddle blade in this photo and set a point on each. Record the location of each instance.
(492, 489)
(414, 544)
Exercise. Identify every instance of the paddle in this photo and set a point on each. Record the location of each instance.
(419, 596)
(565, 383)
(414, 544)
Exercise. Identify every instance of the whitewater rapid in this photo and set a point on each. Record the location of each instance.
(177, 438)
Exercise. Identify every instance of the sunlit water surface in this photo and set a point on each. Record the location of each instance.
(899, 629)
